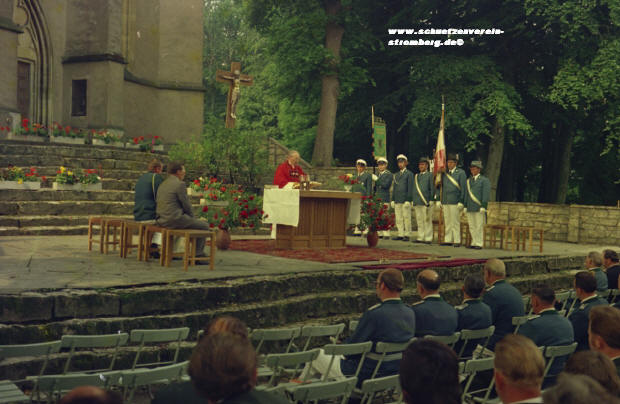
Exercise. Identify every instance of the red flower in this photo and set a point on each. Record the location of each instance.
(211, 225)
(141, 138)
(135, 140)
(25, 121)
(223, 189)
(67, 129)
(252, 197)
(251, 224)
(212, 180)
(156, 137)
(205, 208)
(215, 216)
(197, 182)
(44, 178)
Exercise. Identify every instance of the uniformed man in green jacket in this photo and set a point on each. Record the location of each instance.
(452, 197)
(585, 288)
(423, 192)
(401, 198)
(364, 179)
(476, 202)
(382, 187)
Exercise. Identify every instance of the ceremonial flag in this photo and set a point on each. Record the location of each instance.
(379, 136)
(439, 160)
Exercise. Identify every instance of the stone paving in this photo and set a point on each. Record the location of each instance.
(59, 262)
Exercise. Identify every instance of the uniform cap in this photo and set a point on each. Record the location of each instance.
(401, 156)
(423, 160)
(382, 160)
(453, 157)
(360, 161)
(476, 163)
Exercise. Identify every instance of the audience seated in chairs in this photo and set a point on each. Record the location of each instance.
(223, 370)
(604, 332)
(518, 368)
(578, 389)
(597, 366)
(473, 314)
(429, 374)
(612, 268)
(185, 392)
(91, 395)
(433, 316)
(585, 289)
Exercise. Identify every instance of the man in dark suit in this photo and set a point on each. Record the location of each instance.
(604, 335)
(585, 288)
(477, 197)
(145, 192)
(174, 209)
(548, 328)
(473, 314)
(433, 316)
(610, 261)
(504, 299)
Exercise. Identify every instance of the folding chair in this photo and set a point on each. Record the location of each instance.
(613, 296)
(468, 336)
(324, 391)
(286, 364)
(73, 342)
(573, 301)
(526, 304)
(55, 385)
(142, 337)
(387, 351)
(518, 321)
(472, 367)
(604, 294)
(371, 387)
(311, 331)
(40, 349)
(554, 352)
(353, 325)
(449, 340)
(10, 393)
(287, 335)
(361, 348)
(132, 379)
(562, 298)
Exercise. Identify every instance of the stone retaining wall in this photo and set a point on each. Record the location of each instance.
(569, 223)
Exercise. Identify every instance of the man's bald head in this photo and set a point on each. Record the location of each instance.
(429, 280)
(91, 395)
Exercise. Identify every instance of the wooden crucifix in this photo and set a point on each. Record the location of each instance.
(235, 80)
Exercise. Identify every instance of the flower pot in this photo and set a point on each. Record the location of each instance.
(132, 146)
(222, 239)
(158, 147)
(26, 138)
(347, 188)
(192, 192)
(67, 140)
(99, 142)
(372, 238)
(16, 185)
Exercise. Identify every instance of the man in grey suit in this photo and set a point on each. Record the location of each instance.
(174, 209)
(477, 197)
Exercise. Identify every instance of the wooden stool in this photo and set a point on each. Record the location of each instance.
(147, 240)
(465, 235)
(491, 232)
(525, 234)
(130, 228)
(95, 221)
(189, 255)
(111, 227)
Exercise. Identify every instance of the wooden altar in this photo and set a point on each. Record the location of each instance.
(322, 221)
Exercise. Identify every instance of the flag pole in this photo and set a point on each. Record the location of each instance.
(440, 225)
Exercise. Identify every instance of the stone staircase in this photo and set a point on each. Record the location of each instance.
(324, 297)
(50, 212)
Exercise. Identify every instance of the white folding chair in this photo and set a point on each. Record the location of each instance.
(474, 335)
(323, 391)
(74, 342)
(449, 340)
(313, 331)
(167, 335)
(361, 348)
(130, 380)
(287, 364)
(385, 384)
(472, 367)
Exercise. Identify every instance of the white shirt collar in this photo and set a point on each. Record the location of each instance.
(433, 295)
(476, 176)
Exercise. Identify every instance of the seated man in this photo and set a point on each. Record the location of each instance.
(145, 192)
(389, 321)
(578, 389)
(223, 370)
(548, 328)
(429, 373)
(518, 368)
(433, 316)
(596, 365)
(585, 288)
(174, 209)
(594, 264)
(504, 299)
(604, 332)
(473, 314)
(612, 266)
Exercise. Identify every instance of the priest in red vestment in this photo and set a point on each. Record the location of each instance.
(289, 171)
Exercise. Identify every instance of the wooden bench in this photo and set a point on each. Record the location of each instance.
(189, 253)
(525, 234)
(129, 229)
(491, 232)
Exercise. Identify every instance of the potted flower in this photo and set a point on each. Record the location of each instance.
(31, 132)
(104, 137)
(347, 181)
(375, 216)
(67, 134)
(65, 180)
(90, 180)
(15, 178)
(242, 209)
(148, 143)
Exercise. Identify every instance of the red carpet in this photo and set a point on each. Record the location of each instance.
(407, 266)
(328, 255)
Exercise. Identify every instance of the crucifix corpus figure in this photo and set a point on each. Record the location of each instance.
(235, 80)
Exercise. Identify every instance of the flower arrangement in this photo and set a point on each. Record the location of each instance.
(212, 189)
(35, 129)
(89, 176)
(12, 173)
(147, 143)
(375, 215)
(243, 209)
(347, 179)
(106, 136)
(67, 131)
(66, 176)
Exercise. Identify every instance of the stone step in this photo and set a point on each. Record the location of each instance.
(52, 195)
(74, 163)
(48, 221)
(12, 148)
(110, 174)
(97, 207)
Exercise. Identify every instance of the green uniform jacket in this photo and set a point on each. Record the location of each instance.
(403, 186)
(601, 279)
(144, 197)
(481, 188)
(364, 184)
(383, 184)
(425, 183)
(451, 193)
(580, 318)
(505, 302)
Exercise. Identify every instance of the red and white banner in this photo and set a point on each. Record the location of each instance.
(439, 160)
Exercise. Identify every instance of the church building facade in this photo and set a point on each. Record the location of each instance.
(129, 66)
